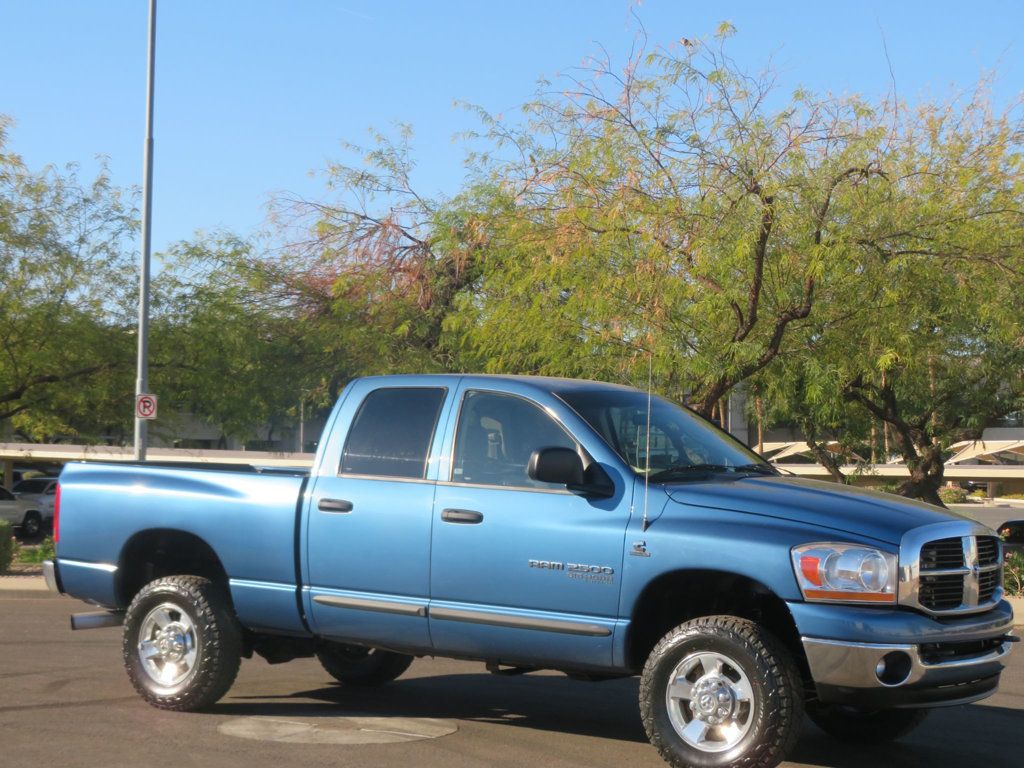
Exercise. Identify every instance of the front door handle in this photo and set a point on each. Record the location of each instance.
(340, 506)
(467, 516)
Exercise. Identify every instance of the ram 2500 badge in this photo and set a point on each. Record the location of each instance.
(546, 524)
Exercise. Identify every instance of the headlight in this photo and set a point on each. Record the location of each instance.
(845, 573)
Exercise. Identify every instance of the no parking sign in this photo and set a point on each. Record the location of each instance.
(145, 407)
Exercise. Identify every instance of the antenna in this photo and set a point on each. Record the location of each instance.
(647, 447)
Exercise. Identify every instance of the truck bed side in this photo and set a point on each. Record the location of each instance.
(115, 520)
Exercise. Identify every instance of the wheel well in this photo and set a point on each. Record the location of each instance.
(679, 596)
(151, 554)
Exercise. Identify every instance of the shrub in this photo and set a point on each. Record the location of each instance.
(893, 488)
(978, 494)
(1013, 574)
(8, 546)
(953, 495)
(36, 555)
(1013, 496)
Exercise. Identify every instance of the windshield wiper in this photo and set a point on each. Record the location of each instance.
(761, 469)
(687, 469)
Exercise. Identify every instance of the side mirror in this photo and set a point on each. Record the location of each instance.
(563, 466)
(556, 465)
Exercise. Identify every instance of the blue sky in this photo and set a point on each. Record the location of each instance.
(253, 96)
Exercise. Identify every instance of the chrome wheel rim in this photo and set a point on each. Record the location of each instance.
(168, 646)
(710, 701)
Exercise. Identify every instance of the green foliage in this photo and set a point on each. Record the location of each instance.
(222, 349)
(36, 555)
(8, 546)
(953, 495)
(65, 297)
(1013, 575)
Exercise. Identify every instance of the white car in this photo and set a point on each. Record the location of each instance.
(23, 513)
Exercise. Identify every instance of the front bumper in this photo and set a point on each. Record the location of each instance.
(847, 673)
(927, 662)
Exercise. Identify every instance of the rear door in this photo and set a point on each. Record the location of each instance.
(368, 532)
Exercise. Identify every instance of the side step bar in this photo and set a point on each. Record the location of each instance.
(97, 619)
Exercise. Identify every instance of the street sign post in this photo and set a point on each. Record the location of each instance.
(145, 407)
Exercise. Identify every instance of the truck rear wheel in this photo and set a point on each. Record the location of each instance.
(860, 726)
(356, 665)
(721, 691)
(182, 643)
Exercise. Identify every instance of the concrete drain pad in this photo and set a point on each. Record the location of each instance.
(338, 730)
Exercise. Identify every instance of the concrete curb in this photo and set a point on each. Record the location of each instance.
(32, 587)
(1018, 609)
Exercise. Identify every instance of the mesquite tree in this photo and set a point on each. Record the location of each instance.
(676, 210)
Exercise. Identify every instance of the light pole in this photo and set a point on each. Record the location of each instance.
(142, 378)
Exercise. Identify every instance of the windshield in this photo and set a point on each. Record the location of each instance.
(681, 443)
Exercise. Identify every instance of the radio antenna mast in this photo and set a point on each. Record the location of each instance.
(647, 439)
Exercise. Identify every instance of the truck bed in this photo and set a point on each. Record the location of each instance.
(246, 514)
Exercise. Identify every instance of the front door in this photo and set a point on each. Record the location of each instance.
(368, 537)
(521, 571)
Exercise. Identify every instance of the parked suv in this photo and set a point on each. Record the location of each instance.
(40, 493)
(22, 513)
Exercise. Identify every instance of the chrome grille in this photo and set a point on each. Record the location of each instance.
(941, 593)
(951, 574)
(942, 554)
(988, 550)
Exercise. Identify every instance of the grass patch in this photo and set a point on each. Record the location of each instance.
(36, 555)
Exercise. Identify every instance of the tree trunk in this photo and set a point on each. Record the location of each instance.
(759, 409)
(824, 456)
(927, 474)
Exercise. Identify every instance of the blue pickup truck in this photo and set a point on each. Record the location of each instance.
(535, 523)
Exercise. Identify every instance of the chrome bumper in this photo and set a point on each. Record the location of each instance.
(853, 665)
(50, 576)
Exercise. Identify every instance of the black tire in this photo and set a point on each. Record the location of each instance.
(355, 665)
(201, 613)
(773, 713)
(31, 525)
(859, 726)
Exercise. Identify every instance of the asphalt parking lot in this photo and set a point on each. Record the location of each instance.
(65, 701)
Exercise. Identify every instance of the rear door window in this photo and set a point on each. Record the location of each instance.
(391, 433)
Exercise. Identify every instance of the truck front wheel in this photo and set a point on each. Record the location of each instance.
(182, 644)
(355, 665)
(721, 691)
(861, 726)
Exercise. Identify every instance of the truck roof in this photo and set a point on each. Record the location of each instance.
(542, 383)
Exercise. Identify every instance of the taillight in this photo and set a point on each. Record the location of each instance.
(56, 515)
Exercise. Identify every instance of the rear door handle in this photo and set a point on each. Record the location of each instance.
(334, 505)
(467, 516)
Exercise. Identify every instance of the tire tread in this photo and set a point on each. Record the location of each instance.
(221, 650)
(781, 677)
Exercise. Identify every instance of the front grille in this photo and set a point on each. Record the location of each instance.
(987, 583)
(936, 653)
(988, 550)
(942, 554)
(941, 593)
(975, 566)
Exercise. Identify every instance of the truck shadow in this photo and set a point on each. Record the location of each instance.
(544, 702)
(951, 737)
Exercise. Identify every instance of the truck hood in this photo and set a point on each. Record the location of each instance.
(858, 511)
